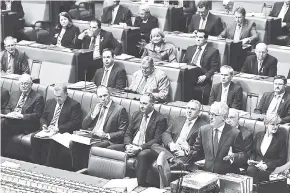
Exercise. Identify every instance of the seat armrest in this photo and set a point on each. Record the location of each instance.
(83, 171)
(179, 172)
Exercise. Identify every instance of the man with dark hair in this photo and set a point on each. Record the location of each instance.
(242, 30)
(98, 39)
(145, 129)
(276, 102)
(208, 59)
(205, 20)
(116, 14)
(112, 75)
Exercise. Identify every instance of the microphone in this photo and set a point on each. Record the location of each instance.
(85, 80)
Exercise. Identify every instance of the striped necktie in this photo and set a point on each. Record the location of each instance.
(195, 58)
(56, 115)
(104, 80)
(21, 103)
(216, 141)
(100, 119)
(142, 131)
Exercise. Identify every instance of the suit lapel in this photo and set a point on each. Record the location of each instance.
(118, 15)
(210, 139)
(110, 111)
(152, 119)
(207, 25)
(112, 74)
(194, 128)
(270, 100)
(5, 60)
(255, 65)
(16, 67)
(201, 58)
(179, 129)
(281, 105)
(244, 27)
(63, 109)
(259, 142)
(101, 75)
(28, 101)
(273, 143)
(219, 92)
(230, 93)
(224, 137)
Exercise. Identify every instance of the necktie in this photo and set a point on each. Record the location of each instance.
(20, 104)
(100, 119)
(56, 115)
(142, 130)
(202, 26)
(92, 45)
(104, 80)
(260, 68)
(273, 105)
(195, 58)
(142, 85)
(10, 69)
(215, 141)
(224, 95)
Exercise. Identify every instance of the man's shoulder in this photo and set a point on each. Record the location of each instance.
(72, 101)
(160, 73)
(235, 86)
(152, 18)
(251, 57)
(159, 115)
(211, 50)
(118, 107)
(123, 8)
(271, 59)
(213, 17)
(245, 131)
(117, 67)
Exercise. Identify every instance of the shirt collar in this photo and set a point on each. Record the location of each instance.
(281, 95)
(226, 86)
(22, 94)
(221, 128)
(192, 121)
(116, 8)
(206, 16)
(149, 115)
(109, 105)
(110, 68)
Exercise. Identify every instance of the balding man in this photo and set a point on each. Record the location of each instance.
(23, 111)
(12, 60)
(261, 63)
(146, 22)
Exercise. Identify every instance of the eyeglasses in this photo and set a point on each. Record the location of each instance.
(24, 83)
(213, 114)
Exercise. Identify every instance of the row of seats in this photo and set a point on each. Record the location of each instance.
(20, 144)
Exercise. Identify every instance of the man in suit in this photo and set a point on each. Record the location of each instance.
(97, 39)
(4, 98)
(12, 60)
(227, 91)
(61, 114)
(181, 135)
(208, 59)
(146, 22)
(150, 80)
(112, 75)
(222, 145)
(116, 14)
(242, 30)
(22, 112)
(276, 102)
(145, 129)
(261, 63)
(282, 11)
(205, 20)
(107, 122)
(13, 6)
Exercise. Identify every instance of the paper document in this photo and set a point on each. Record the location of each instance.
(175, 65)
(10, 164)
(124, 57)
(63, 139)
(44, 134)
(153, 190)
(130, 184)
(81, 139)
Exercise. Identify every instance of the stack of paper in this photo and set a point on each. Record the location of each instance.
(124, 57)
(127, 184)
(25, 43)
(82, 85)
(44, 134)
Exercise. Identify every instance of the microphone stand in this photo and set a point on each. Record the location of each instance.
(86, 80)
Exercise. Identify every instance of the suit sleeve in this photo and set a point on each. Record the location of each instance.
(104, 17)
(20, 11)
(145, 52)
(116, 45)
(223, 34)
(87, 121)
(128, 19)
(121, 79)
(249, 144)
(166, 136)
(212, 96)
(245, 67)
(239, 150)
(259, 108)
(218, 27)
(54, 36)
(37, 110)
(161, 126)
(286, 119)
(123, 121)
(197, 148)
(74, 39)
(163, 87)
(43, 119)
(273, 68)
(74, 120)
(238, 99)
(215, 65)
(184, 59)
(24, 64)
(282, 156)
(4, 99)
(253, 154)
(128, 137)
(254, 35)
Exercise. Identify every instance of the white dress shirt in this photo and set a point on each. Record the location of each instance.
(10, 62)
(96, 53)
(202, 22)
(283, 11)
(101, 128)
(238, 32)
(274, 105)
(225, 91)
(266, 142)
(114, 13)
(220, 131)
(185, 131)
(60, 36)
(201, 53)
(56, 106)
(8, 4)
(108, 75)
(137, 136)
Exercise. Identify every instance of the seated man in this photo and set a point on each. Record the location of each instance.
(12, 60)
(242, 30)
(276, 102)
(5, 95)
(181, 135)
(227, 91)
(146, 22)
(23, 111)
(150, 80)
(108, 122)
(205, 20)
(208, 59)
(222, 145)
(261, 63)
(98, 39)
(145, 129)
(116, 14)
(112, 75)
(61, 114)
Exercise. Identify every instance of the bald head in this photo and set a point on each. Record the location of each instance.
(261, 51)
(25, 83)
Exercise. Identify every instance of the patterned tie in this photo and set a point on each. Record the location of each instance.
(56, 115)
(10, 69)
(261, 68)
(272, 109)
(142, 85)
(215, 141)
(104, 80)
(92, 44)
(20, 104)
(100, 119)
(195, 58)
(142, 131)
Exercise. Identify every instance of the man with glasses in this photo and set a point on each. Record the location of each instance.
(276, 102)
(12, 60)
(150, 80)
(23, 112)
(261, 63)
(112, 75)
(222, 145)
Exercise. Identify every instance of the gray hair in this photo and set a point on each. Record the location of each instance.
(195, 102)
(145, 8)
(61, 87)
(221, 108)
(229, 68)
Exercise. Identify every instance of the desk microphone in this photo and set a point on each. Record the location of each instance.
(86, 80)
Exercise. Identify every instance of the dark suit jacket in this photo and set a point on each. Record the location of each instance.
(213, 25)
(21, 65)
(117, 78)
(248, 31)
(31, 110)
(70, 116)
(230, 138)
(16, 6)
(210, 60)
(283, 109)
(123, 16)
(248, 139)
(69, 39)
(235, 95)
(276, 155)
(4, 98)
(155, 128)
(269, 66)
(145, 28)
(275, 12)
(107, 40)
(115, 125)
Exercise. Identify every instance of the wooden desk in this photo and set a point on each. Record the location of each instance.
(8, 24)
(229, 51)
(282, 53)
